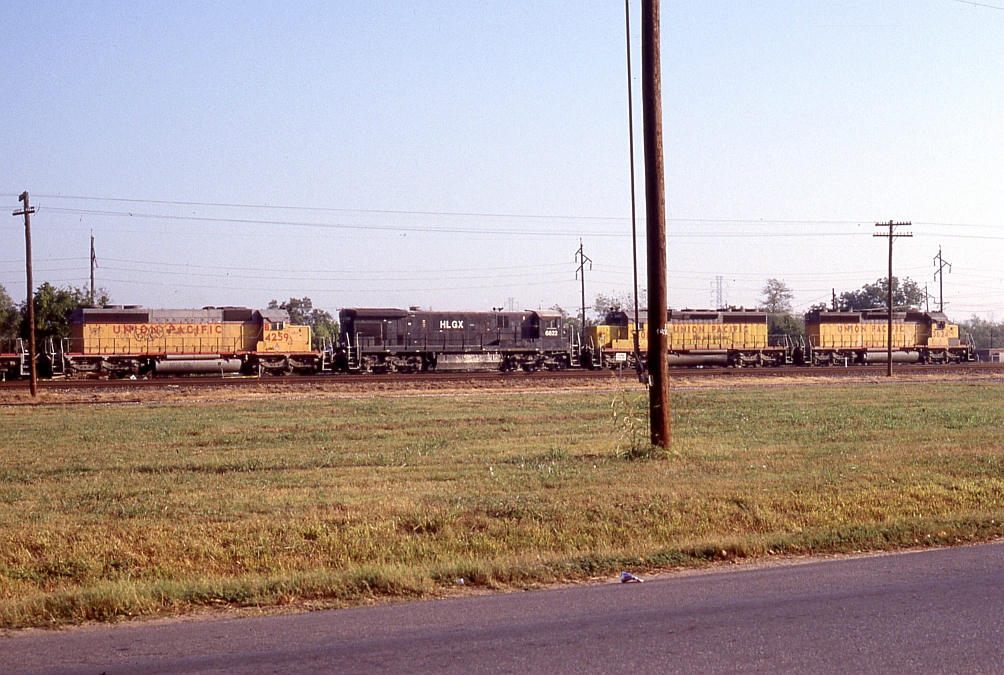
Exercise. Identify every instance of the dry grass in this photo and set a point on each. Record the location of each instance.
(117, 510)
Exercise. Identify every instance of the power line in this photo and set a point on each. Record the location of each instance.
(435, 230)
(396, 212)
(298, 289)
(330, 278)
(476, 214)
(376, 272)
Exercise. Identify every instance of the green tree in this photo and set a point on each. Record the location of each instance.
(907, 294)
(776, 297)
(605, 304)
(567, 319)
(52, 310)
(303, 313)
(775, 300)
(10, 316)
(986, 334)
(785, 324)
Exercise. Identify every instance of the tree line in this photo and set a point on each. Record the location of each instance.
(53, 306)
(52, 311)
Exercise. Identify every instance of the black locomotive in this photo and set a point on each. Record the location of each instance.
(396, 340)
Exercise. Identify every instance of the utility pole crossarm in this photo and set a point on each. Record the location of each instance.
(892, 234)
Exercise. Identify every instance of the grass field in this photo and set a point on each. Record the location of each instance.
(108, 511)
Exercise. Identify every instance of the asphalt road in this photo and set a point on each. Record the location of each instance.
(936, 611)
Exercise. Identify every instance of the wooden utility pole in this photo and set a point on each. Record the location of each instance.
(891, 235)
(655, 226)
(26, 212)
(94, 263)
(634, 216)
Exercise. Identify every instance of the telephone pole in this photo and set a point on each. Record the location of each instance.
(655, 226)
(580, 257)
(26, 212)
(891, 235)
(94, 263)
(940, 277)
(634, 215)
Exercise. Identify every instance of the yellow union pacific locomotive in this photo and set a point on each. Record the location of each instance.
(131, 340)
(707, 337)
(859, 337)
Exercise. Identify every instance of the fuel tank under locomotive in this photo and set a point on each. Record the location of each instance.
(197, 365)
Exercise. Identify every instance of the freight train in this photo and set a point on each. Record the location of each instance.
(130, 341)
(127, 341)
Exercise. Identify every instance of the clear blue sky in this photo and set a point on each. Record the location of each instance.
(452, 154)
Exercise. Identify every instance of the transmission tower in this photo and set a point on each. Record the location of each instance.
(939, 276)
(580, 273)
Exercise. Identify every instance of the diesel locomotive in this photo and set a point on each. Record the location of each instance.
(725, 337)
(124, 341)
(396, 340)
(131, 340)
(843, 338)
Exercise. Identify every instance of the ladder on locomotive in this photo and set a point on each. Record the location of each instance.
(21, 348)
(56, 360)
(575, 351)
(326, 351)
(353, 353)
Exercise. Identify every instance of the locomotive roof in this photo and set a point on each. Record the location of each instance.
(726, 314)
(139, 314)
(624, 317)
(373, 313)
(872, 314)
(390, 313)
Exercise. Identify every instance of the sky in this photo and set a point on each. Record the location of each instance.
(452, 155)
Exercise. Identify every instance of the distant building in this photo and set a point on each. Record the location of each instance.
(995, 355)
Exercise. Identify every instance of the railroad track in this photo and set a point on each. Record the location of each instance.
(350, 380)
